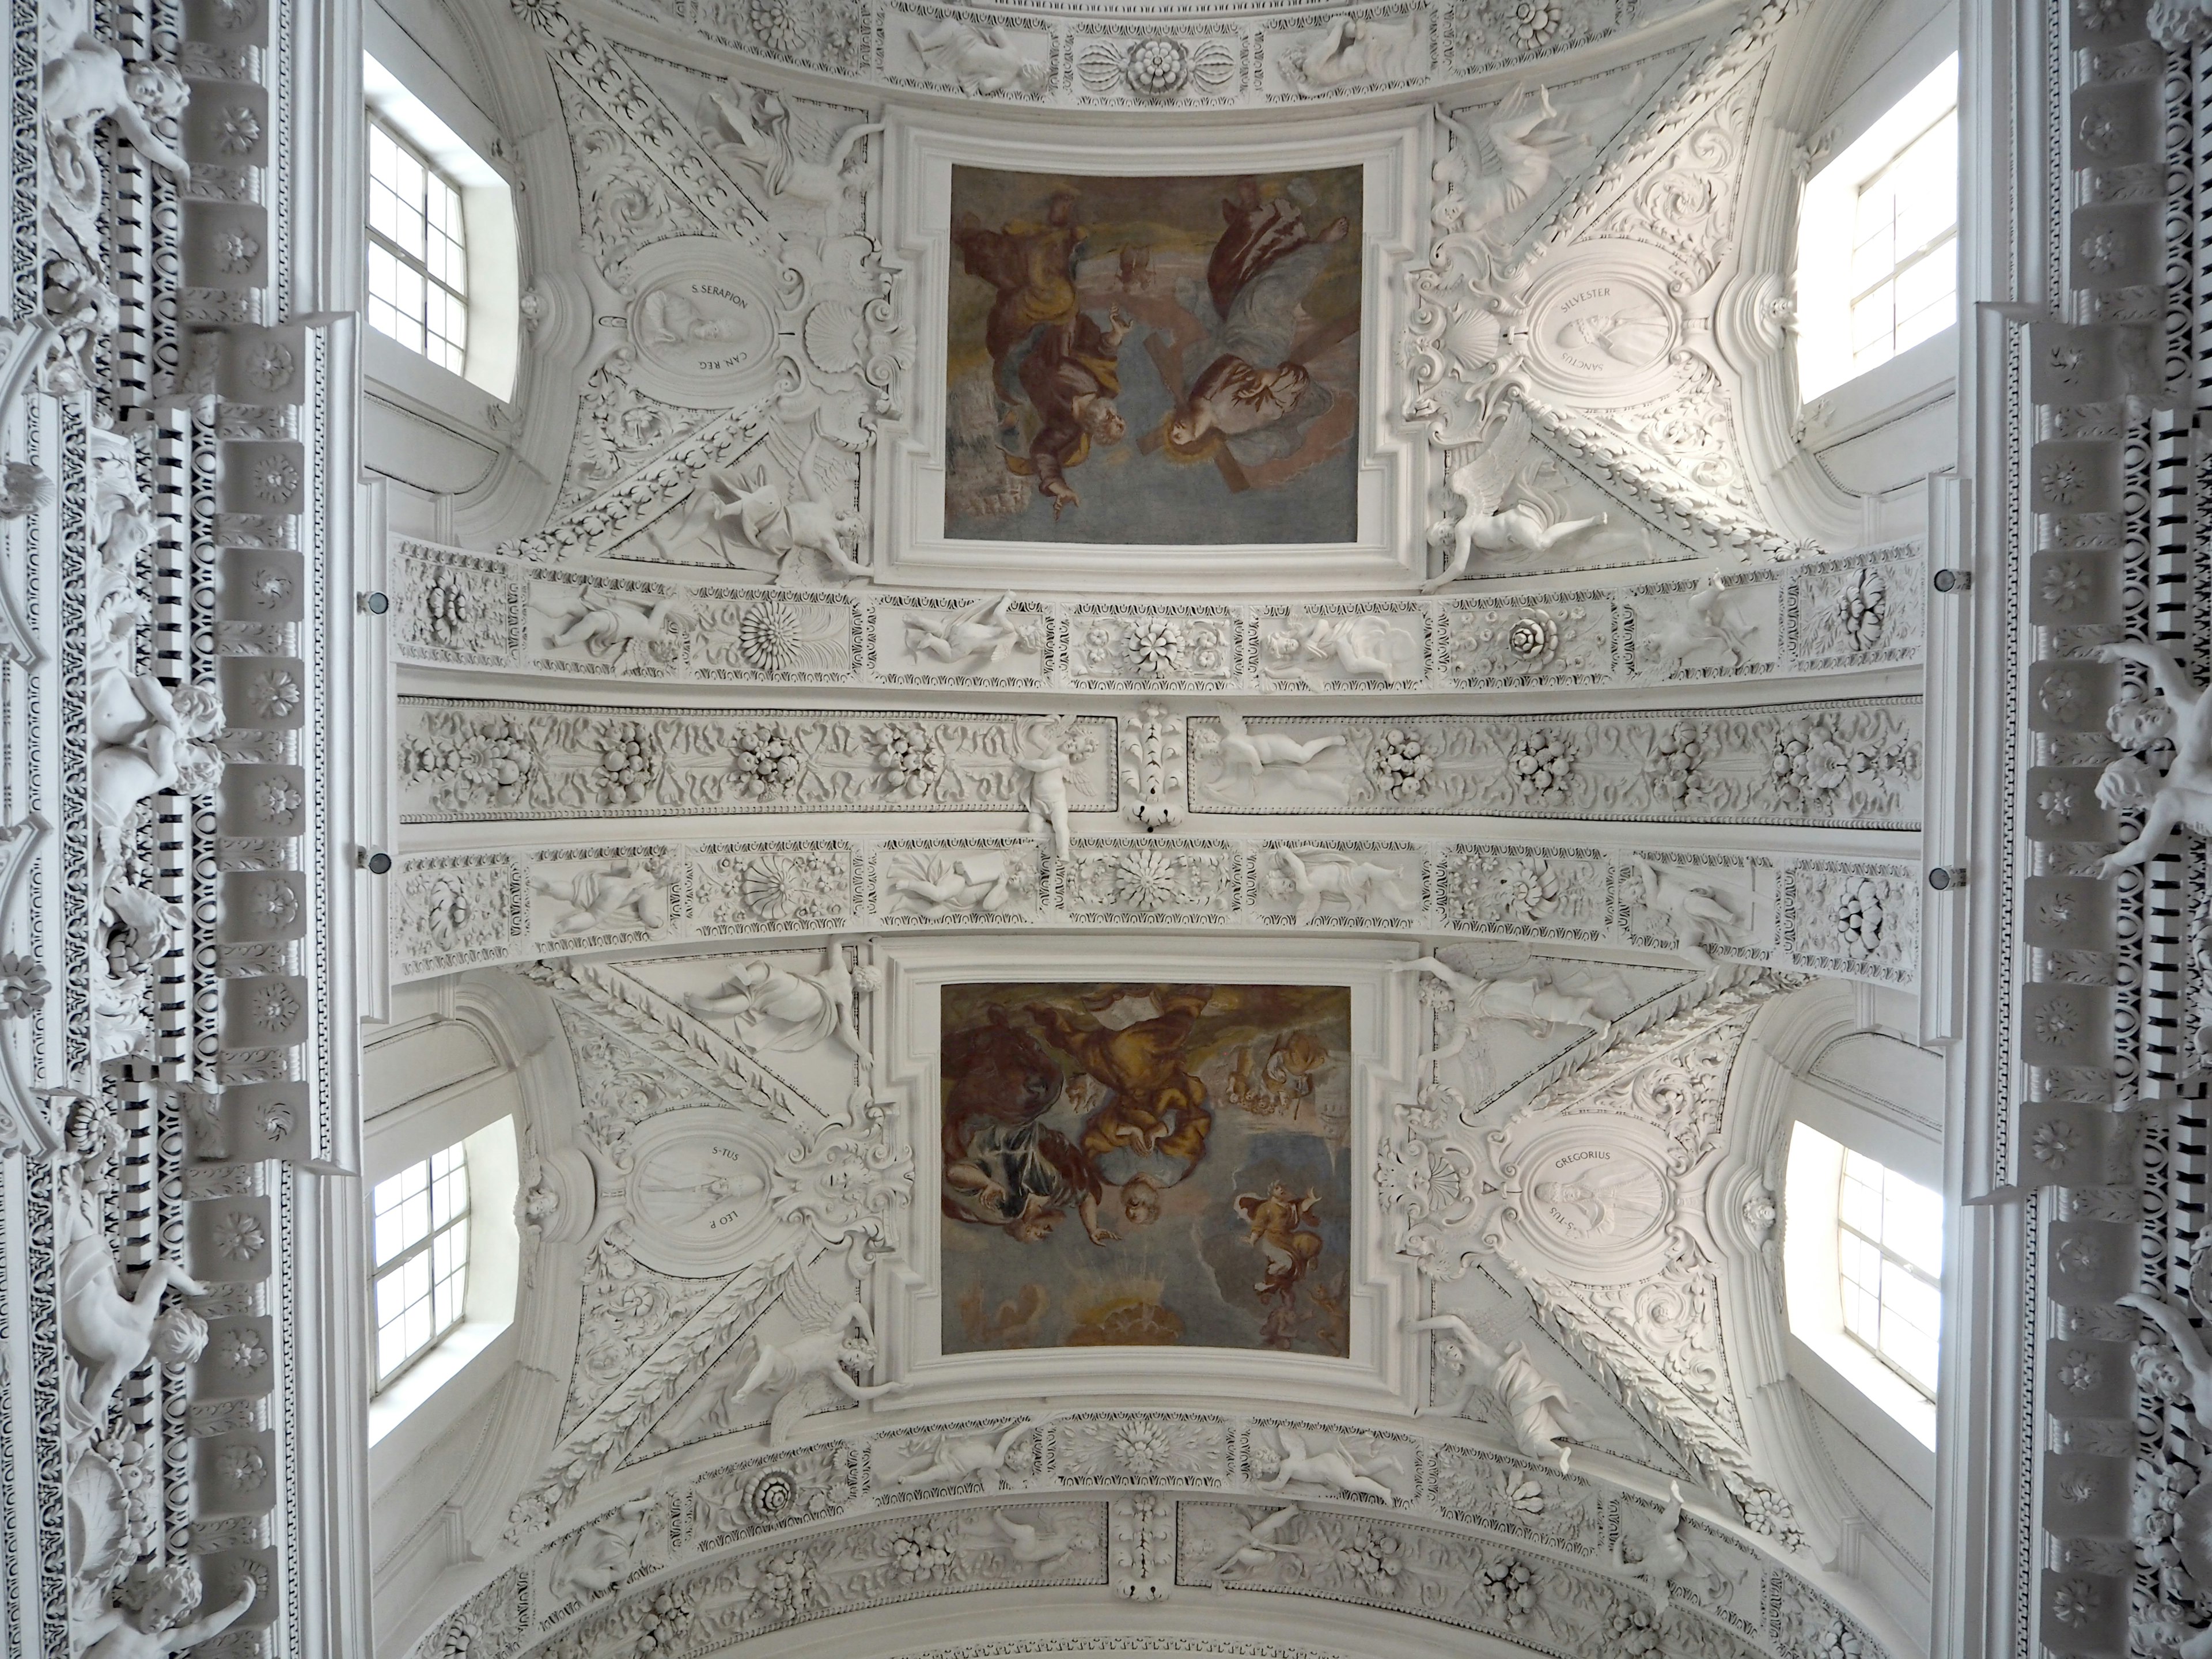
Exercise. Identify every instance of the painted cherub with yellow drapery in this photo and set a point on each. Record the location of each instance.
(1283, 1232)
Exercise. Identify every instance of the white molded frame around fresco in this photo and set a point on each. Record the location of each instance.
(1380, 1375)
(1389, 554)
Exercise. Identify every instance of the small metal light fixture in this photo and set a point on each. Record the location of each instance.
(1953, 581)
(376, 604)
(376, 863)
(1945, 877)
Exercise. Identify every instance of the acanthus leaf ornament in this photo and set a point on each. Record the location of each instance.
(1152, 758)
(1428, 1181)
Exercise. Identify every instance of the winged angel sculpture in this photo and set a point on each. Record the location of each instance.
(835, 1346)
(788, 1008)
(750, 129)
(1490, 169)
(1499, 510)
(1486, 982)
(751, 519)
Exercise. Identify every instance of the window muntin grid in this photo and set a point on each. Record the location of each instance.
(1889, 1263)
(420, 1222)
(1904, 237)
(418, 286)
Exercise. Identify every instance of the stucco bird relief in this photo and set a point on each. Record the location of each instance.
(1145, 1165)
(1154, 362)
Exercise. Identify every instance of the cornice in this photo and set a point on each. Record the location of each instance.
(703, 1557)
(1630, 630)
(1454, 46)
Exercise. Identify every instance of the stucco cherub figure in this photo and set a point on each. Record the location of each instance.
(1665, 1557)
(157, 1627)
(1542, 1425)
(1517, 987)
(1318, 876)
(619, 896)
(1256, 1544)
(1246, 755)
(1029, 1543)
(1051, 752)
(596, 1559)
(620, 632)
(88, 83)
(982, 629)
(980, 58)
(1704, 623)
(1349, 50)
(843, 1353)
(750, 128)
(748, 517)
(779, 1007)
(1360, 647)
(1525, 144)
(975, 1457)
(2188, 1345)
(108, 1333)
(2182, 798)
(1335, 1465)
(1497, 513)
(1703, 913)
(146, 739)
(974, 884)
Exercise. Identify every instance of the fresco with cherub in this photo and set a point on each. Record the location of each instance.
(1154, 362)
(1146, 1164)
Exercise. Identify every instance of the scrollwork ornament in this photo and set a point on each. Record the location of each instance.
(847, 1187)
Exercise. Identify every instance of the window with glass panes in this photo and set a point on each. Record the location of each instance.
(1904, 241)
(1889, 1254)
(420, 1218)
(418, 281)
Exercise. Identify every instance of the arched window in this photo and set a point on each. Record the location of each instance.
(420, 1218)
(442, 1245)
(1863, 1263)
(443, 281)
(1889, 1264)
(418, 258)
(1878, 239)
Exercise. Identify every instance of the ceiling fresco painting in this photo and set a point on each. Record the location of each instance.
(1195, 339)
(1195, 1135)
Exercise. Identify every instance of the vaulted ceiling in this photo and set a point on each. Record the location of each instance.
(743, 714)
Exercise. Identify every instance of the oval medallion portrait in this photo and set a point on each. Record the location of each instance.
(703, 326)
